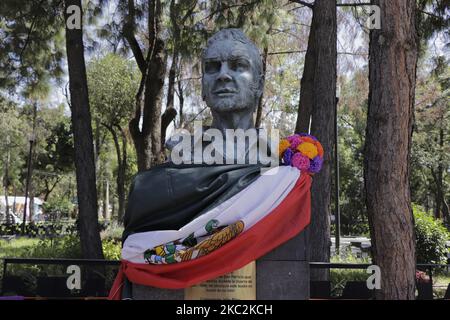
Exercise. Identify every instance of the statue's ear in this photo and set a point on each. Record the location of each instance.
(203, 90)
(260, 86)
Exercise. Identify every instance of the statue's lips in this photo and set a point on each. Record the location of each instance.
(225, 92)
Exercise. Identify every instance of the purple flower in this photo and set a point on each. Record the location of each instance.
(287, 157)
(300, 162)
(294, 140)
(316, 164)
(308, 135)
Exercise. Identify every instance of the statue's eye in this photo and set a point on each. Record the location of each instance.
(239, 65)
(212, 66)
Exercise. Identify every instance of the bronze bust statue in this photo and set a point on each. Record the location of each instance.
(232, 81)
(175, 209)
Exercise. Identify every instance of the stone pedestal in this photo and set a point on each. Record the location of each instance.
(282, 274)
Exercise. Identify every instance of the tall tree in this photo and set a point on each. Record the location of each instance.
(318, 101)
(305, 106)
(180, 12)
(13, 144)
(392, 76)
(82, 132)
(114, 82)
(147, 139)
(31, 44)
(431, 139)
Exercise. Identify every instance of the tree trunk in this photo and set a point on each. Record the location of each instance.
(106, 213)
(170, 112)
(148, 140)
(49, 189)
(323, 97)
(439, 196)
(6, 180)
(440, 200)
(392, 76)
(31, 197)
(307, 83)
(260, 102)
(181, 98)
(83, 141)
(121, 167)
(121, 177)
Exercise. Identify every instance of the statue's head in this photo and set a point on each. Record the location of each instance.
(232, 72)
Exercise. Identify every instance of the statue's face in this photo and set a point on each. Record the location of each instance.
(229, 80)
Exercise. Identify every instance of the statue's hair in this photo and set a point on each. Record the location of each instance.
(237, 35)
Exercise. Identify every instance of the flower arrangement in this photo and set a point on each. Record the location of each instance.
(302, 151)
(422, 277)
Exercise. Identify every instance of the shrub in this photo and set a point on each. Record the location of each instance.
(65, 247)
(45, 229)
(57, 207)
(112, 231)
(111, 249)
(339, 277)
(431, 237)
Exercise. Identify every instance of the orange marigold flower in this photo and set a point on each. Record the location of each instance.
(319, 148)
(308, 139)
(284, 144)
(308, 149)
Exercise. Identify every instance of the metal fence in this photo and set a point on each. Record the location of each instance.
(76, 278)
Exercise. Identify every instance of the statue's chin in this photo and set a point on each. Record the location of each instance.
(228, 104)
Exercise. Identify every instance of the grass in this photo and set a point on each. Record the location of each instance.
(63, 247)
(440, 282)
(19, 247)
(339, 277)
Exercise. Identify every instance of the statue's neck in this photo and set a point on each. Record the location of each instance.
(232, 120)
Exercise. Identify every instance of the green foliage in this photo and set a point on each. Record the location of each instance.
(40, 229)
(431, 236)
(12, 143)
(352, 124)
(339, 277)
(31, 44)
(65, 247)
(19, 247)
(111, 249)
(432, 17)
(430, 156)
(113, 83)
(113, 232)
(45, 229)
(58, 154)
(58, 207)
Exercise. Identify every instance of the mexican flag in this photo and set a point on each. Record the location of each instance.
(186, 224)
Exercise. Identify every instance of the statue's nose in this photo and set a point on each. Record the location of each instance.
(224, 74)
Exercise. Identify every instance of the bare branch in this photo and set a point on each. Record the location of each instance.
(353, 4)
(303, 51)
(228, 7)
(304, 3)
(128, 32)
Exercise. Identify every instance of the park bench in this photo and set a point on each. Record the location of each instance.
(8, 237)
(55, 286)
(447, 293)
(359, 290)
